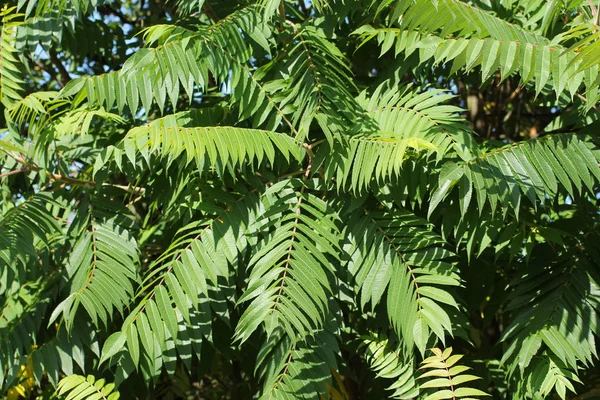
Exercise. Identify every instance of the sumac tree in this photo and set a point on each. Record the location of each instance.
(283, 199)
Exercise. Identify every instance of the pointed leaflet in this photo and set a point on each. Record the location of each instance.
(113, 345)
(449, 175)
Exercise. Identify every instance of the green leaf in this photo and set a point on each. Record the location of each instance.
(113, 345)
(438, 295)
(133, 344)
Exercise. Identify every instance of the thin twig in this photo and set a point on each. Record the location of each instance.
(303, 7)
(582, 97)
(129, 188)
(64, 74)
(285, 370)
(16, 171)
(591, 3)
(108, 9)
(53, 176)
(208, 10)
(594, 11)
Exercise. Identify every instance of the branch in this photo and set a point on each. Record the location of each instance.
(54, 177)
(582, 97)
(129, 188)
(38, 66)
(67, 179)
(208, 10)
(108, 9)
(304, 8)
(594, 11)
(64, 74)
(16, 171)
(71, 181)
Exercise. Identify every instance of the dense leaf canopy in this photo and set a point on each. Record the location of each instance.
(299, 199)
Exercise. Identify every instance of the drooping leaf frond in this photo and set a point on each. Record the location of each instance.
(399, 121)
(43, 6)
(25, 229)
(388, 363)
(445, 376)
(81, 387)
(102, 265)
(217, 147)
(11, 82)
(45, 29)
(536, 169)
(540, 63)
(395, 256)
(174, 311)
(365, 161)
(301, 369)
(289, 271)
(34, 111)
(458, 17)
(407, 113)
(559, 304)
(317, 82)
(78, 121)
(487, 42)
(20, 323)
(183, 58)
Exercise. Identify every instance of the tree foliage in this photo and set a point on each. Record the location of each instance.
(281, 199)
